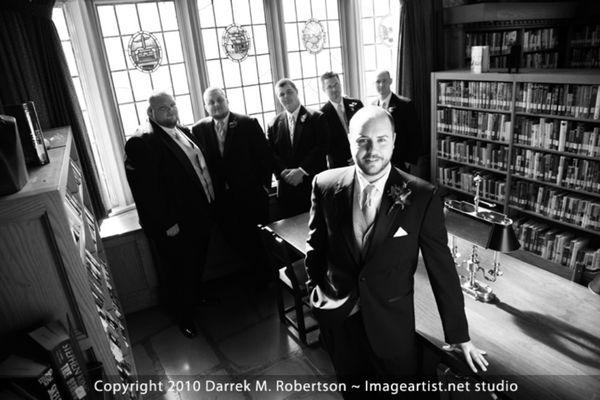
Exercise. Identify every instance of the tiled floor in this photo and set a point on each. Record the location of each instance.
(239, 339)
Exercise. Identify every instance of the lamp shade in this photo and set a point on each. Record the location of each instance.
(502, 238)
(594, 285)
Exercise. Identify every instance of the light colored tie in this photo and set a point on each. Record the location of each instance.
(369, 210)
(292, 125)
(221, 135)
(342, 115)
(204, 175)
(383, 105)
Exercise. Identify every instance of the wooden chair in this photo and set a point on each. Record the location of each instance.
(290, 278)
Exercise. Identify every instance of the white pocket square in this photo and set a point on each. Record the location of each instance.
(400, 232)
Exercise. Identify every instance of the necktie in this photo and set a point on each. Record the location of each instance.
(292, 125)
(369, 209)
(221, 135)
(342, 115)
(383, 105)
(204, 175)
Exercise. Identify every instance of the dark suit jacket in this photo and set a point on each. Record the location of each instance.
(164, 184)
(307, 152)
(383, 278)
(338, 148)
(245, 166)
(407, 147)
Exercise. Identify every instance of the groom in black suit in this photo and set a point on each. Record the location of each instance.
(173, 191)
(367, 224)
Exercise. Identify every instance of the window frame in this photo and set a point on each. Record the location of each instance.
(92, 61)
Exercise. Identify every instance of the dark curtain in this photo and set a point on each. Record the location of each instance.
(420, 53)
(33, 67)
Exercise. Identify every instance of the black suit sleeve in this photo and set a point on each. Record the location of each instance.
(142, 173)
(278, 164)
(261, 152)
(316, 245)
(433, 241)
(314, 161)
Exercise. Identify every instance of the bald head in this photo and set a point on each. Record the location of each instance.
(383, 81)
(371, 137)
(162, 109)
(216, 103)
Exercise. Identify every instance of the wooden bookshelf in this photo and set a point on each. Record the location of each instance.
(54, 265)
(508, 178)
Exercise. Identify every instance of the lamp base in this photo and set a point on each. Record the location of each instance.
(478, 291)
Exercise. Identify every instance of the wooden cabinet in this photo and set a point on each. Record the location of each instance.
(53, 263)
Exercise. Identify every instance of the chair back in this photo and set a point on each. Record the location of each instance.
(278, 254)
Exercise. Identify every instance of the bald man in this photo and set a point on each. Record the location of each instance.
(237, 146)
(407, 147)
(367, 225)
(172, 186)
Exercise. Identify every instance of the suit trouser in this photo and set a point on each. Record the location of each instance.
(240, 220)
(355, 361)
(182, 260)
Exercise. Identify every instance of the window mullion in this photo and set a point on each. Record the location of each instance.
(277, 46)
(193, 53)
(352, 43)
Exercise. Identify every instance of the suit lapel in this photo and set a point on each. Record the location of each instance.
(212, 140)
(230, 130)
(299, 127)
(343, 211)
(388, 218)
(178, 152)
(284, 130)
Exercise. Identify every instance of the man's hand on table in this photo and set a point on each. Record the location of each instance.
(472, 354)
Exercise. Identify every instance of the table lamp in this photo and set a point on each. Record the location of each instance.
(502, 238)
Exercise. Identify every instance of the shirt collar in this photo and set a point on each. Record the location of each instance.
(225, 121)
(379, 183)
(335, 105)
(294, 114)
(386, 100)
(173, 132)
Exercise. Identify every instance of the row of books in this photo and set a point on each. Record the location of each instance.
(498, 42)
(585, 58)
(556, 245)
(568, 136)
(480, 124)
(540, 60)
(48, 365)
(588, 35)
(487, 155)
(540, 39)
(579, 101)
(570, 173)
(488, 95)
(558, 204)
(461, 178)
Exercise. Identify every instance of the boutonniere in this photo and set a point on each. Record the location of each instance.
(303, 118)
(232, 124)
(399, 195)
(391, 109)
(352, 105)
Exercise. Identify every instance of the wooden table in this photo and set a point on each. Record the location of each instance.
(543, 333)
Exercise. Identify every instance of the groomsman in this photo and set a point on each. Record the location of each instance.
(237, 146)
(298, 139)
(338, 111)
(175, 198)
(407, 147)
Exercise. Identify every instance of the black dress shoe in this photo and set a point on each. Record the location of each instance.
(188, 328)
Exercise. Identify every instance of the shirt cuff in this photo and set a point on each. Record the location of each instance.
(303, 171)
